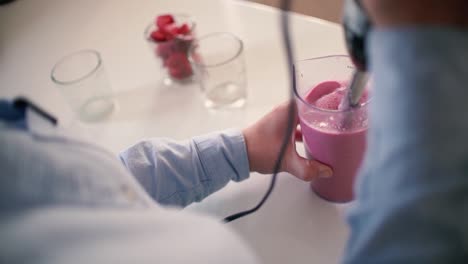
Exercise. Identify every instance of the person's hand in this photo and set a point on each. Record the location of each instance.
(264, 139)
(395, 13)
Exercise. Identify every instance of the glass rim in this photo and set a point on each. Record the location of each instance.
(78, 79)
(232, 36)
(309, 105)
(150, 26)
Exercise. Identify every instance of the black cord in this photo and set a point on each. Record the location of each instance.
(23, 103)
(285, 7)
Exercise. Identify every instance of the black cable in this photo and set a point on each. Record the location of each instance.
(285, 7)
(22, 103)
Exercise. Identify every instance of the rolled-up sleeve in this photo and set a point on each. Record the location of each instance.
(178, 173)
(412, 193)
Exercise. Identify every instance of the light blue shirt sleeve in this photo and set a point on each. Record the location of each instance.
(65, 200)
(412, 193)
(178, 173)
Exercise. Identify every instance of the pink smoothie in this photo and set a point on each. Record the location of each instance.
(326, 139)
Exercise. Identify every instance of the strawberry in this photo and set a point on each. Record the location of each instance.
(158, 36)
(181, 45)
(164, 49)
(176, 59)
(184, 29)
(164, 20)
(179, 66)
(180, 73)
(170, 31)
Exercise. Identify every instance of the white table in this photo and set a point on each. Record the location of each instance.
(294, 226)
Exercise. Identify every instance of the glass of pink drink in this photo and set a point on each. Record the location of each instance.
(332, 133)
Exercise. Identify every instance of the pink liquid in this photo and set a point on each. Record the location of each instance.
(326, 141)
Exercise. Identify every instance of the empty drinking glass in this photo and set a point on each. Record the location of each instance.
(219, 66)
(82, 79)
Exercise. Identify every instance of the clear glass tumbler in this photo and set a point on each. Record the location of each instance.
(82, 79)
(332, 134)
(219, 67)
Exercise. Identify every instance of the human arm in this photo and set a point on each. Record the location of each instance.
(411, 194)
(181, 172)
(178, 173)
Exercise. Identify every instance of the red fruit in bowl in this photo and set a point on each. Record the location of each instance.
(170, 31)
(181, 45)
(164, 20)
(164, 49)
(180, 73)
(158, 36)
(177, 59)
(179, 66)
(184, 29)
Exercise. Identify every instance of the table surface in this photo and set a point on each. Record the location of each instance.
(294, 226)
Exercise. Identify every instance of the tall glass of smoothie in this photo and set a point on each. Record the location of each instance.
(333, 133)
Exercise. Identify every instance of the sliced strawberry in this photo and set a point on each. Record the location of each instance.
(179, 66)
(158, 36)
(176, 73)
(180, 73)
(180, 45)
(184, 29)
(176, 59)
(164, 20)
(170, 31)
(164, 49)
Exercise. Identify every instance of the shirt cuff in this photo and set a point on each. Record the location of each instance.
(224, 154)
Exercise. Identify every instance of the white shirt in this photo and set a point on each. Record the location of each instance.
(66, 201)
